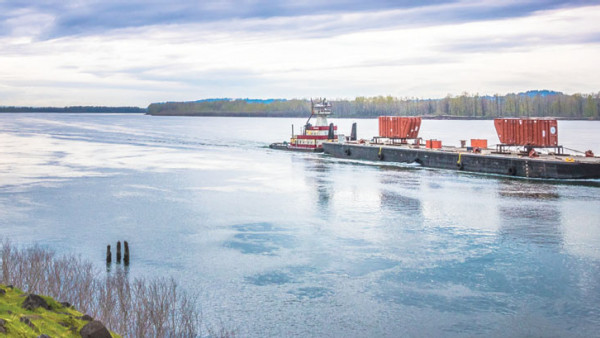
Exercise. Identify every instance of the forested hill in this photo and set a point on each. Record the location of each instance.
(231, 107)
(531, 103)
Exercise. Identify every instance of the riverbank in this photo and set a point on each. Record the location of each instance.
(133, 308)
(30, 315)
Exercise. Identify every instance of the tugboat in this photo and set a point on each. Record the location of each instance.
(312, 137)
(516, 155)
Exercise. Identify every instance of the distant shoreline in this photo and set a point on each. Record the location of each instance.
(74, 109)
(70, 112)
(285, 115)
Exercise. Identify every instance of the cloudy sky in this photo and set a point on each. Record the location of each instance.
(114, 52)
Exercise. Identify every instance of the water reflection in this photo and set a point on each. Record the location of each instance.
(398, 192)
(400, 203)
(259, 238)
(311, 292)
(118, 269)
(407, 178)
(317, 175)
(537, 224)
(528, 190)
(530, 212)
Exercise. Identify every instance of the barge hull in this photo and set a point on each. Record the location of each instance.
(465, 161)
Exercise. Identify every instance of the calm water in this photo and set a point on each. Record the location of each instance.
(286, 244)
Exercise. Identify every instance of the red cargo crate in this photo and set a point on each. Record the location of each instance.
(531, 132)
(401, 127)
(479, 143)
(433, 144)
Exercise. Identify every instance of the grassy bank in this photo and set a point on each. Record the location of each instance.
(133, 308)
(59, 320)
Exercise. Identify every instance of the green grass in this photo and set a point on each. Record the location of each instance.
(59, 321)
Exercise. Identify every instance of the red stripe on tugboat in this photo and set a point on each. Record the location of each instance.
(312, 137)
(321, 128)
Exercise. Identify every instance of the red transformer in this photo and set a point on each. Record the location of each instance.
(533, 132)
(433, 144)
(399, 127)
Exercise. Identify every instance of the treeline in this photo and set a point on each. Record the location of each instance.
(71, 109)
(228, 107)
(473, 106)
(529, 104)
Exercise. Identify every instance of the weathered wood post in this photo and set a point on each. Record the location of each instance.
(118, 252)
(108, 255)
(126, 256)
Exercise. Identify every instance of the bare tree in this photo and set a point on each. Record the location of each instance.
(142, 308)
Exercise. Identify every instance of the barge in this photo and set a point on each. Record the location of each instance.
(311, 138)
(520, 155)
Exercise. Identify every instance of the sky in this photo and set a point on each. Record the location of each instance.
(133, 53)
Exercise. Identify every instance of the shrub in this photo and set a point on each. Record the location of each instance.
(138, 308)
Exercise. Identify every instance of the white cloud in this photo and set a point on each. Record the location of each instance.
(136, 66)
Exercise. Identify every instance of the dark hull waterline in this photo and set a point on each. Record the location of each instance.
(287, 146)
(500, 164)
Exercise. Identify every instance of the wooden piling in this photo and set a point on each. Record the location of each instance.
(108, 255)
(126, 256)
(119, 252)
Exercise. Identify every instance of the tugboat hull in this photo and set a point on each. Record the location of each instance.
(287, 146)
(312, 137)
(500, 164)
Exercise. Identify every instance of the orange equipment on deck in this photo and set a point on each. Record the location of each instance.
(433, 144)
(479, 143)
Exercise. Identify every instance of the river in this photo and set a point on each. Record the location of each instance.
(289, 244)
